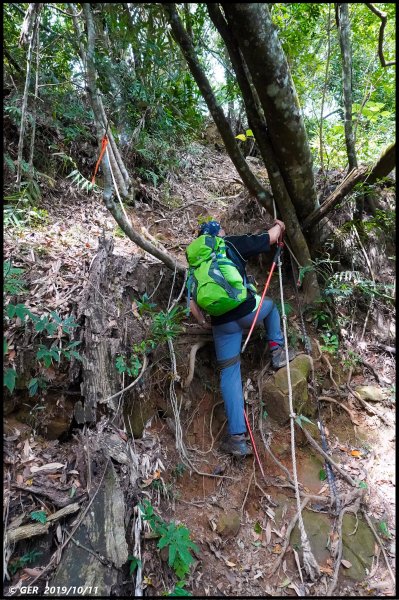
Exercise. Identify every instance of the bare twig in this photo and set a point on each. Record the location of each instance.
(370, 524)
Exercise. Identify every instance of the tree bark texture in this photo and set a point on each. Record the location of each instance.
(99, 549)
(100, 377)
(267, 64)
(29, 29)
(385, 164)
(257, 123)
(346, 57)
(249, 179)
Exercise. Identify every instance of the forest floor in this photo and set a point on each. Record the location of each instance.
(256, 557)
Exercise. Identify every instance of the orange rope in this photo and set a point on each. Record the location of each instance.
(104, 143)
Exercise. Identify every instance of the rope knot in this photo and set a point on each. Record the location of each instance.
(292, 415)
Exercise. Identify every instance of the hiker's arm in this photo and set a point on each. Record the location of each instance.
(276, 231)
(198, 314)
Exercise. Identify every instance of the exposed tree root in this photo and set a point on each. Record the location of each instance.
(369, 408)
(350, 413)
(193, 354)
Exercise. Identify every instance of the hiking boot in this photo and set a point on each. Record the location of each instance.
(279, 358)
(236, 445)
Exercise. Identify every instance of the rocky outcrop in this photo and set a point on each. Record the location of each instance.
(275, 391)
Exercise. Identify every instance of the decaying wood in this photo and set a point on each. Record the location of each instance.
(57, 498)
(100, 381)
(102, 530)
(34, 529)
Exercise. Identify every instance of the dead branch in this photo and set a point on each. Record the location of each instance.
(377, 537)
(290, 528)
(368, 407)
(33, 529)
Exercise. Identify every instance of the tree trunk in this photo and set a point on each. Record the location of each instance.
(266, 62)
(28, 33)
(101, 121)
(34, 108)
(100, 377)
(385, 164)
(249, 179)
(346, 57)
(258, 125)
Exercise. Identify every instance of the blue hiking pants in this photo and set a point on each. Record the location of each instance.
(227, 339)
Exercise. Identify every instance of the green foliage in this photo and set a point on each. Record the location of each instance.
(175, 537)
(145, 305)
(383, 529)
(322, 475)
(39, 515)
(35, 384)
(179, 470)
(131, 366)
(24, 560)
(134, 563)
(81, 182)
(166, 325)
(12, 284)
(331, 342)
(299, 419)
(9, 379)
(288, 309)
(179, 590)
(45, 325)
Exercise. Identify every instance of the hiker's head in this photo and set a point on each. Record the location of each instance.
(212, 228)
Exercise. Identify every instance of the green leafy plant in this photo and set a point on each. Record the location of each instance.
(331, 342)
(145, 305)
(23, 561)
(131, 365)
(39, 515)
(383, 529)
(179, 590)
(134, 563)
(175, 537)
(13, 284)
(166, 325)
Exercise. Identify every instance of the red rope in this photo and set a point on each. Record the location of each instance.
(253, 444)
(104, 143)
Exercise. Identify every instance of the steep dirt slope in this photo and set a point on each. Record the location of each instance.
(240, 520)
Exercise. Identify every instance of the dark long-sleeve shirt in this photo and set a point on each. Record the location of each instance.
(239, 248)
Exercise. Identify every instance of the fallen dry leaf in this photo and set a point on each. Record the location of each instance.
(47, 467)
(277, 549)
(356, 453)
(346, 563)
(230, 564)
(326, 570)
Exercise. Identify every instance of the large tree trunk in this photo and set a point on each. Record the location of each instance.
(249, 179)
(346, 56)
(267, 64)
(258, 125)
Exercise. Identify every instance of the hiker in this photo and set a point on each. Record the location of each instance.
(227, 326)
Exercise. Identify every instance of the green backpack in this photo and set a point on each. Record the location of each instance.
(213, 279)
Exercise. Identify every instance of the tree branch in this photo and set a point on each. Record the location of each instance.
(383, 16)
(382, 168)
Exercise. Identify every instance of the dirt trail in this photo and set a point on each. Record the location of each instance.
(57, 260)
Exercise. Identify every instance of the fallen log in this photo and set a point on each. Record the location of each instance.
(34, 529)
